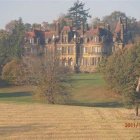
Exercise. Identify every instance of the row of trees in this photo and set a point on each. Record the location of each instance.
(122, 71)
(50, 79)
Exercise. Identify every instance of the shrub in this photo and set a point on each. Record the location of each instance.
(15, 72)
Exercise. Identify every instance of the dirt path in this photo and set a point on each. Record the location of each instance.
(47, 122)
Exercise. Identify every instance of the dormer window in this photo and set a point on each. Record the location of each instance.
(46, 41)
(95, 39)
(74, 36)
(65, 39)
(53, 37)
(31, 40)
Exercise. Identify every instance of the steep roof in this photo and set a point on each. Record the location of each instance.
(30, 34)
(118, 26)
(49, 34)
(66, 28)
(93, 32)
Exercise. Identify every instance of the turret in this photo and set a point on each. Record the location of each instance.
(125, 24)
(108, 27)
(120, 20)
(122, 32)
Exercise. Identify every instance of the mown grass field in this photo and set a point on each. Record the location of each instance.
(62, 122)
(94, 113)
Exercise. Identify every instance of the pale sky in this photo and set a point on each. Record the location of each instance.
(37, 11)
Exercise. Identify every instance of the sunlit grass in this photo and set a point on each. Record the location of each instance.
(87, 89)
(59, 122)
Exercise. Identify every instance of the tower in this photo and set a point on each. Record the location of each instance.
(122, 33)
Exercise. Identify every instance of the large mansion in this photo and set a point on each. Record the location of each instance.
(81, 48)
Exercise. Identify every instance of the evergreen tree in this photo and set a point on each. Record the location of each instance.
(11, 42)
(17, 39)
(78, 14)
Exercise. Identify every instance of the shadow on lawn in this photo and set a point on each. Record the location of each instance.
(98, 104)
(14, 94)
(8, 130)
(83, 79)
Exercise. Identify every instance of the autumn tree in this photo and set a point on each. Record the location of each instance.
(78, 14)
(9, 27)
(51, 79)
(15, 72)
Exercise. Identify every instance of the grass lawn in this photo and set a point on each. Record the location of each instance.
(16, 94)
(91, 90)
(87, 90)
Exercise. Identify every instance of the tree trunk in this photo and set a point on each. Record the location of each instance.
(137, 109)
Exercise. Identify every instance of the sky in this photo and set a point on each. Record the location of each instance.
(37, 11)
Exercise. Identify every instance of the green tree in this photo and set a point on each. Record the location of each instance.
(27, 26)
(121, 71)
(16, 40)
(113, 18)
(11, 42)
(95, 21)
(78, 14)
(4, 48)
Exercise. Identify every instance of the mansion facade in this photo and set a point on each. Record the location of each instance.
(80, 49)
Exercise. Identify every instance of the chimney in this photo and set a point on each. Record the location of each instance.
(57, 29)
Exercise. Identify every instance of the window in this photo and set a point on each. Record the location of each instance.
(92, 61)
(65, 39)
(64, 50)
(31, 40)
(95, 39)
(85, 49)
(99, 59)
(93, 49)
(85, 61)
(96, 49)
(70, 50)
(46, 40)
(99, 49)
(70, 62)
